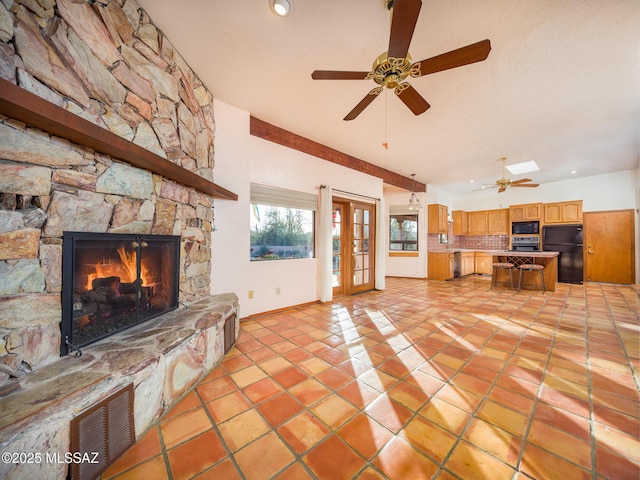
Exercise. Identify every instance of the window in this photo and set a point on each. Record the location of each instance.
(282, 223)
(403, 233)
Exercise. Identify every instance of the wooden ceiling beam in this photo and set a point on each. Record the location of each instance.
(22, 105)
(266, 131)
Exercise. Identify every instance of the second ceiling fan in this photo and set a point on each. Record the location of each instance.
(391, 68)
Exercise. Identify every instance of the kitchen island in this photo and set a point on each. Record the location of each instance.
(442, 265)
(530, 280)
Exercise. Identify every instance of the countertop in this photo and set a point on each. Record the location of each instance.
(509, 253)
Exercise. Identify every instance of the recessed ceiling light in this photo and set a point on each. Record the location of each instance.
(524, 167)
(281, 8)
(573, 172)
(471, 181)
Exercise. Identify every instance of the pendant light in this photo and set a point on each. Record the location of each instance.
(414, 202)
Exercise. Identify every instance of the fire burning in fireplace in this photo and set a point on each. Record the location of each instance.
(113, 281)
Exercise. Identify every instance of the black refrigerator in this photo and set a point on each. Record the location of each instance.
(566, 239)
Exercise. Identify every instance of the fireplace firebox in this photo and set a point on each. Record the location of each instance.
(111, 282)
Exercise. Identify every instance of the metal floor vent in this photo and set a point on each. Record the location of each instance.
(102, 433)
(230, 332)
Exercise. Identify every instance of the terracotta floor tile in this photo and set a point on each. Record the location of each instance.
(216, 388)
(400, 460)
(539, 463)
(575, 450)
(189, 401)
(379, 380)
(224, 408)
(274, 365)
(505, 418)
(612, 465)
(144, 449)
(472, 463)
(408, 395)
(445, 415)
(494, 440)
(154, 468)
(280, 409)
(248, 376)
(294, 472)
(264, 458)
(389, 413)
(563, 420)
(514, 401)
(334, 410)
(313, 365)
(303, 432)
(333, 460)
(243, 429)
(309, 392)
(262, 390)
(334, 378)
(365, 435)
(183, 427)
(224, 470)
(236, 363)
(428, 438)
(359, 394)
(619, 421)
(261, 355)
(196, 455)
(290, 377)
(459, 397)
(618, 442)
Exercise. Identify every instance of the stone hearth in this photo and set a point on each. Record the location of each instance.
(163, 359)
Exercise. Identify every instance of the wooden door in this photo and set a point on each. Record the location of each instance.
(353, 239)
(609, 246)
(362, 240)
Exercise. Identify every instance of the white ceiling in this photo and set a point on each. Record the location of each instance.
(561, 85)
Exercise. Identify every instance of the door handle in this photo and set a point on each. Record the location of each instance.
(590, 252)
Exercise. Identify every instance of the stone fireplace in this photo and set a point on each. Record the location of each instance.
(111, 282)
(107, 66)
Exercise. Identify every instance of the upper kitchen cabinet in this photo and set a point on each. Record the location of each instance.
(460, 222)
(527, 211)
(498, 222)
(563, 212)
(488, 222)
(438, 219)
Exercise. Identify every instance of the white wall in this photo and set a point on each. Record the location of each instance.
(614, 191)
(242, 159)
(411, 267)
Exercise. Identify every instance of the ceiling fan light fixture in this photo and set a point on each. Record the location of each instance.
(282, 8)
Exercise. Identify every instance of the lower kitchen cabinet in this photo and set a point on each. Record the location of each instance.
(483, 263)
(467, 263)
(439, 265)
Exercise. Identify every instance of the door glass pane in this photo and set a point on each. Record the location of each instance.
(358, 215)
(365, 233)
(336, 247)
(366, 217)
(357, 262)
(357, 246)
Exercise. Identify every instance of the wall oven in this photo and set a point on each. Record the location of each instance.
(525, 244)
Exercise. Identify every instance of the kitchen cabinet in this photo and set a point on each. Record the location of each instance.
(483, 263)
(438, 219)
(460, 222)
(477, 222)
(439, 265)
(527, 211)
(563, 212)
(498, 222)
(467, 263)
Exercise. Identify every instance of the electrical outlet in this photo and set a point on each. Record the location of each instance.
(277, 290)
(250, 294)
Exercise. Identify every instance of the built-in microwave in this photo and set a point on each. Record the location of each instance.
(525, 228)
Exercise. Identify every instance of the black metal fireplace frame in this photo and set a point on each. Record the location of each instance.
(67, 345)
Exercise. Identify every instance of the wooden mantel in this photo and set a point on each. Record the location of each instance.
(22, 105)
(260, 128)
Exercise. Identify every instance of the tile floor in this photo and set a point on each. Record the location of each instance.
(447, 380)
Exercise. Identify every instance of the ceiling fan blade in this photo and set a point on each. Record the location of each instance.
(338, 75)
(525, 185)
(403, 23)
(412, 98)
(502, 189)
(522, 180)
(473, 53)
(364, 103)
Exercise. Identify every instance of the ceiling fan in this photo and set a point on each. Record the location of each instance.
(505, 182)
(392, 67)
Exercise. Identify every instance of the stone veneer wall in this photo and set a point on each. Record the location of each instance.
(105, 61)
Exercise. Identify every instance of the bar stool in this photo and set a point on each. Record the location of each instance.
(532, 267)
(501, 266)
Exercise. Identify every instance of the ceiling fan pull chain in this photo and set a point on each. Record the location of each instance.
(385, 144)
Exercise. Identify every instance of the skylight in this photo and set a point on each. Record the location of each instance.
(524, 167)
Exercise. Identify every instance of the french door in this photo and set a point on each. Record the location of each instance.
(353, 238)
